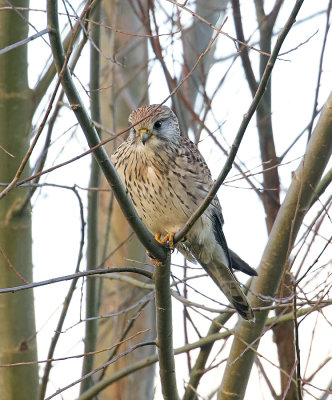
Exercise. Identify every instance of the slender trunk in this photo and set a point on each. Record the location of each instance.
(281, 240)
(17, 326)
(92, 284)
(283, 333)
(126, 88)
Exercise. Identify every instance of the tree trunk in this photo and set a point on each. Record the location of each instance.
(123, 93)
(276, 254)
(17, 326)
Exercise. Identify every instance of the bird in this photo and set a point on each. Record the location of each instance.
(167, 179)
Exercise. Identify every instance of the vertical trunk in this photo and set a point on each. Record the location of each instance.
(284, 338)
(195, 40)
(126, 88)
(92, 284)
(17, 326)
(284, 332)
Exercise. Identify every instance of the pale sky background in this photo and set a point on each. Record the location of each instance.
(56, 224)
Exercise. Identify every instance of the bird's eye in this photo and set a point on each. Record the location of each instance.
(157, 125)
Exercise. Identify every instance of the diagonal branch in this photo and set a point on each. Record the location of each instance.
(201, 343)
(245, 122)
(278, 248)
(24, 41)
(160, 254)
(88, 128)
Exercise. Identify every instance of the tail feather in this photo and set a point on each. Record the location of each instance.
(228, 284)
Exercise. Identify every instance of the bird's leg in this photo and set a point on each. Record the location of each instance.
(167, 238)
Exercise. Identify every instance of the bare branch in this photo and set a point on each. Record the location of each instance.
(111, 175)
(246, 119)
(100, 271)
(164, 328)
(203, 343)
(280, 243)
(65, 307)
(24, 41)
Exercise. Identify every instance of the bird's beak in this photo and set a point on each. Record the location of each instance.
(145, 134)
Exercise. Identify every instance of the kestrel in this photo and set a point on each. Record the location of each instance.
(167, 180)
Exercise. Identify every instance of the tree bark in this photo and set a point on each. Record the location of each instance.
(92, 284)
(17, 327)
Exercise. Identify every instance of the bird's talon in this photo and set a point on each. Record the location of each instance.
(169, 238)
(157, 237)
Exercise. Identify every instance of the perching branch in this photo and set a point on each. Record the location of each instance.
(164, 329)
(163, 299)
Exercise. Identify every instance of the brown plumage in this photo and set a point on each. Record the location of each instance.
(167, 179)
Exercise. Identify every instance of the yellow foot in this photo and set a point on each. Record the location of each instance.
(167, 238)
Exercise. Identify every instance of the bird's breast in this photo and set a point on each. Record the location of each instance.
(157, 193)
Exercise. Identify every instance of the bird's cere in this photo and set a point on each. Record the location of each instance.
(145, 134)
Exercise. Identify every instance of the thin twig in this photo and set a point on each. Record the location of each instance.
(108, 168)
(203, 343)
(137, 346)
(320, 68)
(66, 303)
(92, 292)
(297, 349)
(215, 28)
(24, 41)
(236, 144)
(43, 123)
(100, 271)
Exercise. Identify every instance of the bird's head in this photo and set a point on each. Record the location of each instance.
(154, 123)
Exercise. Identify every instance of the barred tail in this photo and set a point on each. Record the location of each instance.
(228, 284)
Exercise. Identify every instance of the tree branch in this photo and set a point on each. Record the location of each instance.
(66, 303)
(321, 187)
(235, 146)
(164, 329)
(100, 271)
(201, 343)
(278, 248)
(146, 238)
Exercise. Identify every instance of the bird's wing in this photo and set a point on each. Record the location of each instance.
(189, 154)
